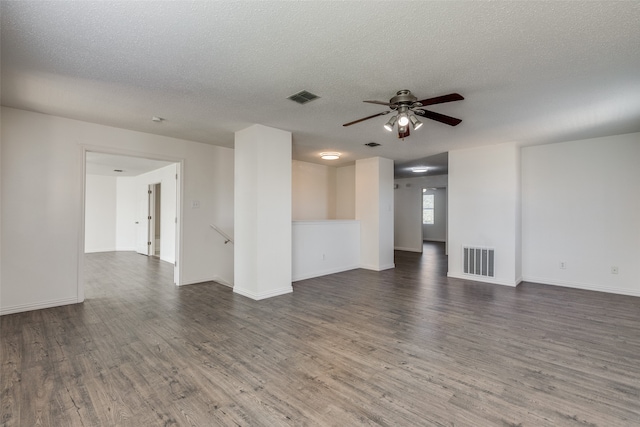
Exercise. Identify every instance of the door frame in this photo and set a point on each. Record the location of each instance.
(180, 164)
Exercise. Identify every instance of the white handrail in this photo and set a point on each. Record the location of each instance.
(222, 233)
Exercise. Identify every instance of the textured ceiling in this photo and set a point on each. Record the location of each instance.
(531, 72)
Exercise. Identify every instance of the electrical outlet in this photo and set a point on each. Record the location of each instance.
(563, 265)
(614, 270)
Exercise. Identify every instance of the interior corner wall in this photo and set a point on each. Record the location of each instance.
(346, 192)
(42, 158)
(581, 205)
(484, 195)
(100, 213)
(313, 194)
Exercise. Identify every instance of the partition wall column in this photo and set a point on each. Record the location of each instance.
(374, 210)
(262, 212)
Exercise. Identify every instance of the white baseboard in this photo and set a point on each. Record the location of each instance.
(378, 267)
(37, 306)
(400, 248)
(197, 281)
(223, 282)
(475, 278)
(93, 251)
(323, 273)
(585, 286)
(216, 279)
(257, 296)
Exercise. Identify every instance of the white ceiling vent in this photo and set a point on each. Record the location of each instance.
(303, 97)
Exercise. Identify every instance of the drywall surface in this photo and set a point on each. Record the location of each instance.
(263, 212)
(126, 213)
(374, 210)
(42, 157)
(324, 247)
(313, 194)
(346, 192)
(484, 197)
(581, 207)
(100, 214)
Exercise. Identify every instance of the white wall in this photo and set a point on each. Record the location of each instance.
(313, 191)
(126, 213)
(324, 247)
(374, 210)
(408, 210)
(484, 199)
(346, 192)
(42, 201)
(100, 214)
(581, 206)
(263, 212)
(322, 192)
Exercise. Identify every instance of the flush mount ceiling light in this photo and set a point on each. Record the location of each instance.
(157, 119)
(330, 156)
(406, 107)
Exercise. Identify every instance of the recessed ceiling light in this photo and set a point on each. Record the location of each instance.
(419, 169)
(118, 170)
(372, 144)
(157, 119)
(330, 156)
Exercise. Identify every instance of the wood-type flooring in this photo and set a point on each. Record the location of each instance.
(402, 347)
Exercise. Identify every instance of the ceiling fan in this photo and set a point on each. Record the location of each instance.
(407, 107)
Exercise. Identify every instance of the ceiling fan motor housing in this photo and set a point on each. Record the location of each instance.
(403, 97)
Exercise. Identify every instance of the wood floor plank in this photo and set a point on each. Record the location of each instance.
(402, 347)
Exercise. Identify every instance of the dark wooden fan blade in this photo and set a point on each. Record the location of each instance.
(379, 103)
(406, 133)
(366, 118)
(451, 121)
(441, 99)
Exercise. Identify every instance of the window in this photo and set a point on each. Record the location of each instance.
(427, 207)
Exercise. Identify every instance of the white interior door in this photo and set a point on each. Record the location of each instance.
(143, 222)
(152, 219)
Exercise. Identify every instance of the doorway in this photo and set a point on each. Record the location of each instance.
(143, 202)
(149, 221)
(434, 214)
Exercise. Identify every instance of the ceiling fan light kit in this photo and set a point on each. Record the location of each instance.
(407, 106)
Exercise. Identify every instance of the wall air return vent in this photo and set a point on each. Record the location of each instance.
(478, 261)
(303, 97)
